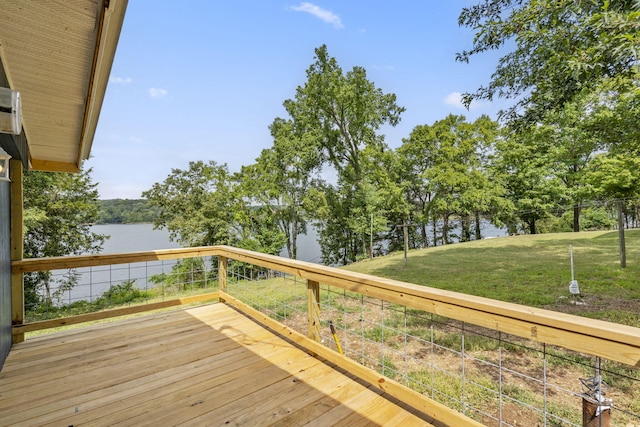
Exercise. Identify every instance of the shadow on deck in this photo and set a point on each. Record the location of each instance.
(209, 365)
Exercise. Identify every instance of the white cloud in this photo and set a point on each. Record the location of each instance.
(384, 67)
(121, 80)
(157, 93)
(455, 100)
(322, 14)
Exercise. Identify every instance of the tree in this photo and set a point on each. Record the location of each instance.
(450, 158)
(125, 211)
(198, 205)
(527, 176)
(562, 48)
(414, 160)
(615, 176)
(59, 209)
(569, 146)
(281, 178)
(343, 112)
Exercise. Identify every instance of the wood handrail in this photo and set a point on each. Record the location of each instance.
(611, 341)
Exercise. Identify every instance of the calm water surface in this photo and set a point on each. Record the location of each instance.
(133, 238)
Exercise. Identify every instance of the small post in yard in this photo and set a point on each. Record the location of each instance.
(623, 250)
(405, 233)
(573, 285)
(313, 310)
(596, 409)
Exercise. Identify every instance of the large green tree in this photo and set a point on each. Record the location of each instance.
(59, 209)
(344, 113)
(280, 179)
(528, 178)
(198, 205)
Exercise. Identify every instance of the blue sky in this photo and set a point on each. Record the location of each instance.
(202, 80)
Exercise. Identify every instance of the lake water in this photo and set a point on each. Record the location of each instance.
(133, 238)
(142, 237)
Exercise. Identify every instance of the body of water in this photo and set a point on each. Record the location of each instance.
(133, 238)
(142, 237)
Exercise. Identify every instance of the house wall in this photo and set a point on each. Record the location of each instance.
(5, 270)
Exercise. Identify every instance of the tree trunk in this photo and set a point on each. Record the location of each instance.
(576, 218)
(465, 229)
(532, 226)
(435, 232)
(445, 229)
(294, 240)
(478, 230)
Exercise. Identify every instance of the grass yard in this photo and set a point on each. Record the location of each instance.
(533, 270)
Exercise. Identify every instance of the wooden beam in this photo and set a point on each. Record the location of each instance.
(313, 310)
(53, 166)
(64, 262)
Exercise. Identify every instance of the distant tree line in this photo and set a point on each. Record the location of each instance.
(126, 211)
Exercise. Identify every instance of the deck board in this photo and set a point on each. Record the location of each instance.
(208, 365)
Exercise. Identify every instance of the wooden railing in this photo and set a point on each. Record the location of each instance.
(610, 341)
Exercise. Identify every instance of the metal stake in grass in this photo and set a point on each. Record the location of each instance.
(573, 285)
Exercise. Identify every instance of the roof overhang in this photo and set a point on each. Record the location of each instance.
(58, 54)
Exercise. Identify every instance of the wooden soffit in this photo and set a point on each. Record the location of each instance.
(58, 55)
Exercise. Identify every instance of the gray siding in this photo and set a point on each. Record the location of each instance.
(5, 271)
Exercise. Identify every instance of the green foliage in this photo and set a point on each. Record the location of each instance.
(121, 293)
(188, 273)
(198, 205)
(610, 176)
(561, 49)
(342, 114)
(448, 175)
(278, 184)
(59, 209)
(126, 211)
(590, 219)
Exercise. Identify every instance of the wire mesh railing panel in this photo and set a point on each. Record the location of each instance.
(63, 293)
(279, 295)
(495, 378)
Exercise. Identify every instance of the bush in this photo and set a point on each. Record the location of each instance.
(591, 219)
(121, 293)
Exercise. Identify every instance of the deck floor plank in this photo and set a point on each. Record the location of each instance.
(208, 365)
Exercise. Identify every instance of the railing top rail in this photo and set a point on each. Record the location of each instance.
(610, 340)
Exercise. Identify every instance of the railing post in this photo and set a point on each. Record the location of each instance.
(222, 275)
(313, 310)
(17, 247)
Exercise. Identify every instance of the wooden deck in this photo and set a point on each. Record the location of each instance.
(209, 365)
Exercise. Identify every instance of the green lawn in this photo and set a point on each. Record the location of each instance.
(533, 270)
